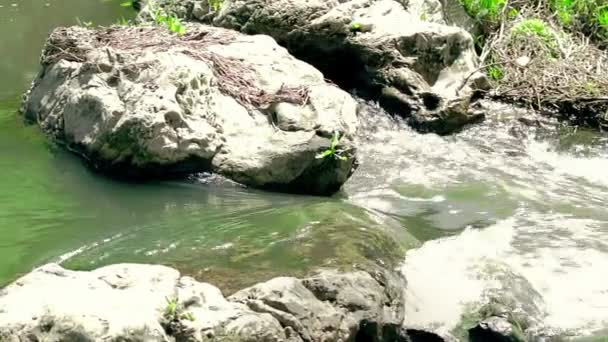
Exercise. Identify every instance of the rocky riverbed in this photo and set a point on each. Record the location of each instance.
(131, 302)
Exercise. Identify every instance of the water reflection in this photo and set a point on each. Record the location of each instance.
(25, 24)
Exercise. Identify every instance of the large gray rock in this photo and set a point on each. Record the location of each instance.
(125, 302)
(131, 302)
(144, 102)
(400, 52)
(333, 306)
(54, 304)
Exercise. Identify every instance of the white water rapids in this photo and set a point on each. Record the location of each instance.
(512, 200)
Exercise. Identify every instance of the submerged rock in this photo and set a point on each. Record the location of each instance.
(131, 302)
(141, 102)
(495, 329)
(400, 52)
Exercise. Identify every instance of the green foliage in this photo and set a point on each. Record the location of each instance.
(171, 22)
(159, 16)
(496, 72)
(513, 13)
(592, 88)
(216, 5)
(174, 311)
(355, 27)
(333, 152)
(484, 10)
(171, 308)
(130, 4)
(537, 28)
(587, 16)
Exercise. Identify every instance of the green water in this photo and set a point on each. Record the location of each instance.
(54, 209)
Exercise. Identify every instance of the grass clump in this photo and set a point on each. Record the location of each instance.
(484, 10)
(587, 16)
(159, 16)
(548, 54)
(496, 72)
(174, 311)
(170, 21)
(175, 319)
(536, 32)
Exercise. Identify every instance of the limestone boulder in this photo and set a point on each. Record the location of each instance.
(54, 304)
(333, 306)
(137, 303)
(142, 102)
(402, 53)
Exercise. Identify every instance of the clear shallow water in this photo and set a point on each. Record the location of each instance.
(497, 202)
(52, 208)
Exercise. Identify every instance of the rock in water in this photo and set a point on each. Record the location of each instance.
(332, 306)
(150, 303)
(400, 52)
(142, 102)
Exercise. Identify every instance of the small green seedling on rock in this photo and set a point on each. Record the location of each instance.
(358, 27)
(173, 311)
(333, 152)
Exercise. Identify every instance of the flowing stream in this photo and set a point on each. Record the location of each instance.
(498, 204)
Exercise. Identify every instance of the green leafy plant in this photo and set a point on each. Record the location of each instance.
(484, 10)
(216, 5)
(171, 22)
(127, 4)
(355, 27)
(174, 311)
(513, 13)
(587, 16)
(159, 16)
(333, 152)
(496, 72)
(602, 17)
(171, 308)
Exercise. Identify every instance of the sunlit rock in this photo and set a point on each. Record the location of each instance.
(399, 52)
(143, 102)
(129, 302)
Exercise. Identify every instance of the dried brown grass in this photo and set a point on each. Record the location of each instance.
(235, 77)
(567, 75)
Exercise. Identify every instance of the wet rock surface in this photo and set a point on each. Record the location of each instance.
(141, 102)
(130, 302)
